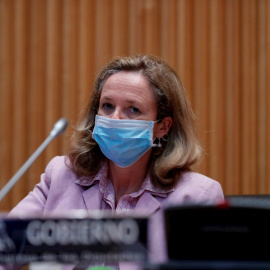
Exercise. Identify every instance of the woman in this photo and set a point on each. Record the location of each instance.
(132, 152)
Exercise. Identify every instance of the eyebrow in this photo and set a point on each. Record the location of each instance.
(108, 98)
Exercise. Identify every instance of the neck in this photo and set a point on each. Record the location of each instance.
(128, 180)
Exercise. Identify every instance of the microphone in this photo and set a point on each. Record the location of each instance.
(58, 128)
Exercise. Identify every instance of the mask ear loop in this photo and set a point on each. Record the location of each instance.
(159, 140)
(158, 144)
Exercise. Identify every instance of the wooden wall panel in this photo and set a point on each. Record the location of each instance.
(248, 96)
(51, 51)
(266, 120)
(6, 95)
(216, 97)
(232, 97)
(201, 82)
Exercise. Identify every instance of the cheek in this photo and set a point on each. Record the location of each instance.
(155, 131)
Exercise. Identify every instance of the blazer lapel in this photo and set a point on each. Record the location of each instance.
(92, 198)
(147, 204)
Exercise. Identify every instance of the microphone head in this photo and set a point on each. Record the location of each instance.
(59, 127)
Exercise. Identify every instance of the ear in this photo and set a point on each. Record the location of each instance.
(164, 126)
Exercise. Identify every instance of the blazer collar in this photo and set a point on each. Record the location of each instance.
(92, 198)
(146, 205)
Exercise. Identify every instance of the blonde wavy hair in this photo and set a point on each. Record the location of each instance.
(181, 149)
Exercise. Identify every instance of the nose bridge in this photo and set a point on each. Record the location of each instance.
(117, 114)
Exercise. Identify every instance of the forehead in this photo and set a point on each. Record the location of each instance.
(128, 83)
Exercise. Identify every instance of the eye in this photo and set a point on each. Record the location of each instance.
(107, 106)
(134, 110)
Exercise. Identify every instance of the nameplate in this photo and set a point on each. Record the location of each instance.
(70, 240)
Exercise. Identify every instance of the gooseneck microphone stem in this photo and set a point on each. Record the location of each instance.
(58, 129)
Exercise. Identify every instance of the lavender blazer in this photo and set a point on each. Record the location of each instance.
(57, 192)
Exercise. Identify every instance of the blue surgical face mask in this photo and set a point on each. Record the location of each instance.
(123, 141)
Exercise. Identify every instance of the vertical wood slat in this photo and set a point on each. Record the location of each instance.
(86, 69)
(6, 93)
(51, 50)
(186, 44)
(267, 100)
(261, 104)
(54, 70)
(136, 27)
(168, 28)
(201, 81)
(248, 97)
(152, 25)
(70, 62)
(103, 33)
(20, 98)
(216, 102)
(120, 33)
(232, 86)
(36, 85)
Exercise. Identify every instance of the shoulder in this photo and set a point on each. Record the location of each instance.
(59, 172)
(57, 162)
(55, 191)
(196, 188)
(59, 165)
